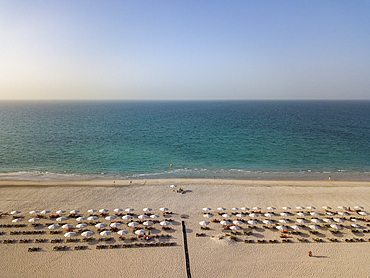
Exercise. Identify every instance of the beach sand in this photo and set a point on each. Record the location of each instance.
(208, 256)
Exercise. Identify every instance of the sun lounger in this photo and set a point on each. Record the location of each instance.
(33, 249)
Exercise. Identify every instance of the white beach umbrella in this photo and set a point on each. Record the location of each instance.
(225, 222)
(173, 185)
(267, 222)
(326, 207)
(241, 215)
(227, 215)
(142, 216)
(315, 213)
(74, 211)
(33, 220)
(109, 218)
(118, 210)
(59, 219)
(252, 222)
(330, 213)
(164, 223)
(244, 208)
(45, 211)
(207, 215)
(140, 232)
(53, 226)
(355, 225)
(284, 221)
(122, 232)
(256, 208)
(302, 221)
(302, 214)
(103, 210)
(358, 207)
(355, 220)
(92, 210)
(80, 219)
(269, 214)
(70, 234)
(34, 211)
(283, 228)
(286, 208)
(147, 209)
(92, 218)
(342, 207)
(105, 233)
(314, 227)
(82, 225)
(203, 223)
(299, 207)
(133, 224)
(315, 220)
(115, 225)
(343, 213)
(129, 210)
(328, 220)
(15, 212)
(364, 213)
(253, 215)
(153, 216)
(310, 207)
(87, 233)
(100, 225)
(126, 217)
(285, 214)
(338, 220)
(336, 227)
(148, 223)
(235, 209)
(221, 209)
(296, 227)
(163, 209)
(67, 226)
(206, 209)
(17, 220)
(237, 222)
(234, 228)
(60, 211)
(271, 208)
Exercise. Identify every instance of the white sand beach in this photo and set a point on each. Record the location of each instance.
(209, 256)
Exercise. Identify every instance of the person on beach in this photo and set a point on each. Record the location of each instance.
(309, 253)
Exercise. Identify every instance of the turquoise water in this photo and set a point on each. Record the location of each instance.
(203, 139)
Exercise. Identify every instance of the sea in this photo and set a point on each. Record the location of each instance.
(89, 140)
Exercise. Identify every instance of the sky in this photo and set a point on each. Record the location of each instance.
(184, 50)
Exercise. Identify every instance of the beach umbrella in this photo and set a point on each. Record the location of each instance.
(15, 212)
(82, 225)
(207, 215)
(204, 223)
(17, 220)
(156, 216)
(364, 213)
(355, 225)
(147, 209)
(118, 210)
(302, 214)
(227, 215)
(302, 221)
(284, 221)
(296, 227)
(234, 228)
(103, 210)
(70, 234)
(75, 211)
(283, 228)
(87, 233)
(336, 227)
(256, 208)
(45, 211)
(126, 217)
(33, 220)
(285, 214)
(343, 213)
(34, 211)
(59, 219)
(115, 225)
(53, 226)
(221, 209)
(358, 207)
(92, 218)
(338, 220)
(267, 222)
(173, 185)
(237, 222)
(133, 224)
(253, 215)
(79, 219)
(122, 232)
(109, 218)
(163, 209)
(234, 209)
(92, 210)
(315, 220)
(105, 233)
(206, 209)
(269, 214)
(60, 211)
(225, 222)
(330, 213)
(314, 227)
(148, 223)
(142, 216)
(342, 207)
(286, 208)
(129, 210)
(140, 232)
(244, 208)
(299, 207)
(252, 222)
(271, 208)
(100, 225)
(164, 223)
(326, 207)
(241, 215)
(310, 207)
(328, 220)
(67, 226)
(314, 213)
(355, 220)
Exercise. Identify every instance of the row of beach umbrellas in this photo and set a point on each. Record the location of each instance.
(284, 208)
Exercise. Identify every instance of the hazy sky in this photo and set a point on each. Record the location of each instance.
(185, 49)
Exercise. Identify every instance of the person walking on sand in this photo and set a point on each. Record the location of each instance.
(309, 253)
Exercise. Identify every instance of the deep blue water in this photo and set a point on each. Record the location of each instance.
(223, 139)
